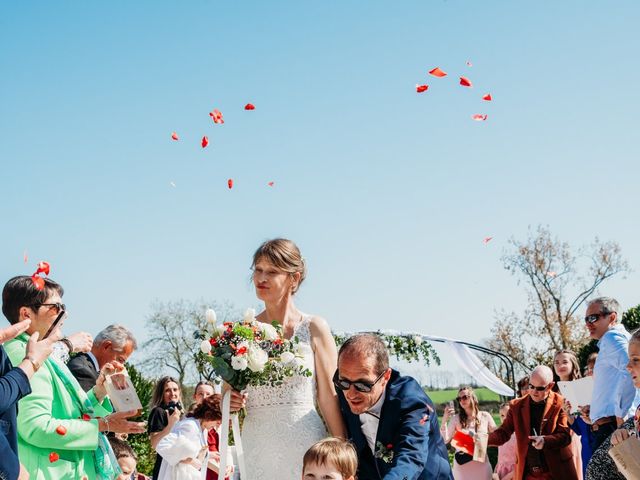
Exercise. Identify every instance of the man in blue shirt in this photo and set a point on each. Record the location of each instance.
(613, 389)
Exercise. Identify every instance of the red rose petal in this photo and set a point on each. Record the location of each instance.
(205, 141)
(478, 117)
(54, 457)
(61, 430)
(43, 267)
(25, 257)
(174, 136)
(487, 97)
(230, 183)
(38, 282)
(422, 88)
(487, 240)
(216, 116)
(436, 72)
(465, 82)
(86, 417)
(271, 184)
(249, 106)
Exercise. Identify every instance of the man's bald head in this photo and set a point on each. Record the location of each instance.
(542, 374)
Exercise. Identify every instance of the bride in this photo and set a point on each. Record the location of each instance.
(282, 422)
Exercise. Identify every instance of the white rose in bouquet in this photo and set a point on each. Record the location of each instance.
(268, 331)
(417, 339)
(249, 315)
(239, 362)
(205, 347)
(287, 357)
(210, 315)
(256, 358)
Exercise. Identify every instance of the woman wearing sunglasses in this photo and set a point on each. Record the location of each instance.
(469, 418)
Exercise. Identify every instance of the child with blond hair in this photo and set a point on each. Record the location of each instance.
(331, 458)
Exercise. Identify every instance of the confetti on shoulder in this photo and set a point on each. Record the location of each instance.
(478, 117)
(174, 136)
(422, 88)
(436, 72)
(249, 106)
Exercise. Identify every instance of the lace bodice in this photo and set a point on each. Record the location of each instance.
(297, 390)
(282, 422)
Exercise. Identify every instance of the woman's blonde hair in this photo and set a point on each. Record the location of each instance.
(285, 256)
(340, 453)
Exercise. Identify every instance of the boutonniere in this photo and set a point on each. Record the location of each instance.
(425, 417)
(384, 452)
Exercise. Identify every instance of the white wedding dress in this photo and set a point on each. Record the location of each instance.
(282, 422)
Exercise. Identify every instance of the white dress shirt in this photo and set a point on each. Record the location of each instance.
(369, 422)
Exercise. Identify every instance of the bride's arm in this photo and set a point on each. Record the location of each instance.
(326, 361)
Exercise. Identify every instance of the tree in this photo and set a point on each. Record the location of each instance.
(172, 346)
(140, 442)
(631, 318)
(557, 282)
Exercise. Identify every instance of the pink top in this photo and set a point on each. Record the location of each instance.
(507, 455)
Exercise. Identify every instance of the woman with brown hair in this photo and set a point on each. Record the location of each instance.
(282, 421)
(468, 418)
(166, 411)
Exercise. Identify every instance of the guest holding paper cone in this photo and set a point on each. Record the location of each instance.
(455, 429)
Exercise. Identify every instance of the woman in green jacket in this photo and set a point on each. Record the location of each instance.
(60, 427)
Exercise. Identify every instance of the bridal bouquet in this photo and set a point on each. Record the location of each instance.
(251, 352)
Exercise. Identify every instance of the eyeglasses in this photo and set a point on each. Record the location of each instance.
(595, 317)
(364, 387)
(538, 389)
(59, 307)
(462, 397)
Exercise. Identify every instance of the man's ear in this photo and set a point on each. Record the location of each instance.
(106, 345)
(24, 313)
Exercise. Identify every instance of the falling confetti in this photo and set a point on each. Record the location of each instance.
(422, 88)
(174, 136)
(54, 457)
(205, 141)
(487, 240)
(469, 64)
(43, 267)
(465, 82)
(25, 257)
(38, 281)
(61, 430)
(271, 184)
(249, 106)
(436, 72)
(478, 117)
(487, 97)
(216, 115)
(230, 183)
(172, 184)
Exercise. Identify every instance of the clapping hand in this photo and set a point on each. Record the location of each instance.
(81, 341)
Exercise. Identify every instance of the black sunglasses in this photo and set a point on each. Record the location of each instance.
(364, 387)
(60, 307)
(595, 317)
(538, 389)
(462, 397)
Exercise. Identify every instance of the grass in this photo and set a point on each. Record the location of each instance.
(440, 397)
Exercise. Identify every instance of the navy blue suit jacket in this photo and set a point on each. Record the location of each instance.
(409, 425)
(14, 385)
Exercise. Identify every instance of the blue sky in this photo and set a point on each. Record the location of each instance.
(388, 193)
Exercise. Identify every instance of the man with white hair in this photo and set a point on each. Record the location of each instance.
(613, 390)
(114, 343)
(542, 433)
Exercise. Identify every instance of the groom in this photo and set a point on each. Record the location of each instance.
(389, 418)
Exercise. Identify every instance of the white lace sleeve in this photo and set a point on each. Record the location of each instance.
(60, 352)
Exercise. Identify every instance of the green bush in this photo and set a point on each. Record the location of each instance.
(140, 443)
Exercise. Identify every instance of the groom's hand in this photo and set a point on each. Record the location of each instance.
(238, 400)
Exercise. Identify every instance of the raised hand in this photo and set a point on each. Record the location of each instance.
(81, 341)
(39, 350)
(12, 331)
(118, 423)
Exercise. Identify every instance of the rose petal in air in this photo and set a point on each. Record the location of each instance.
(216, 116)
(271, 184)
(25, 256)
(478, 117)
(230, 183)
(174, 136)
(487, 97)
(38, 282)
(422, 88)
(487, 240)
(436, 72)
(205, 141)
(249, 106)
(469, 63)
(465, 82)
(43, 267)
